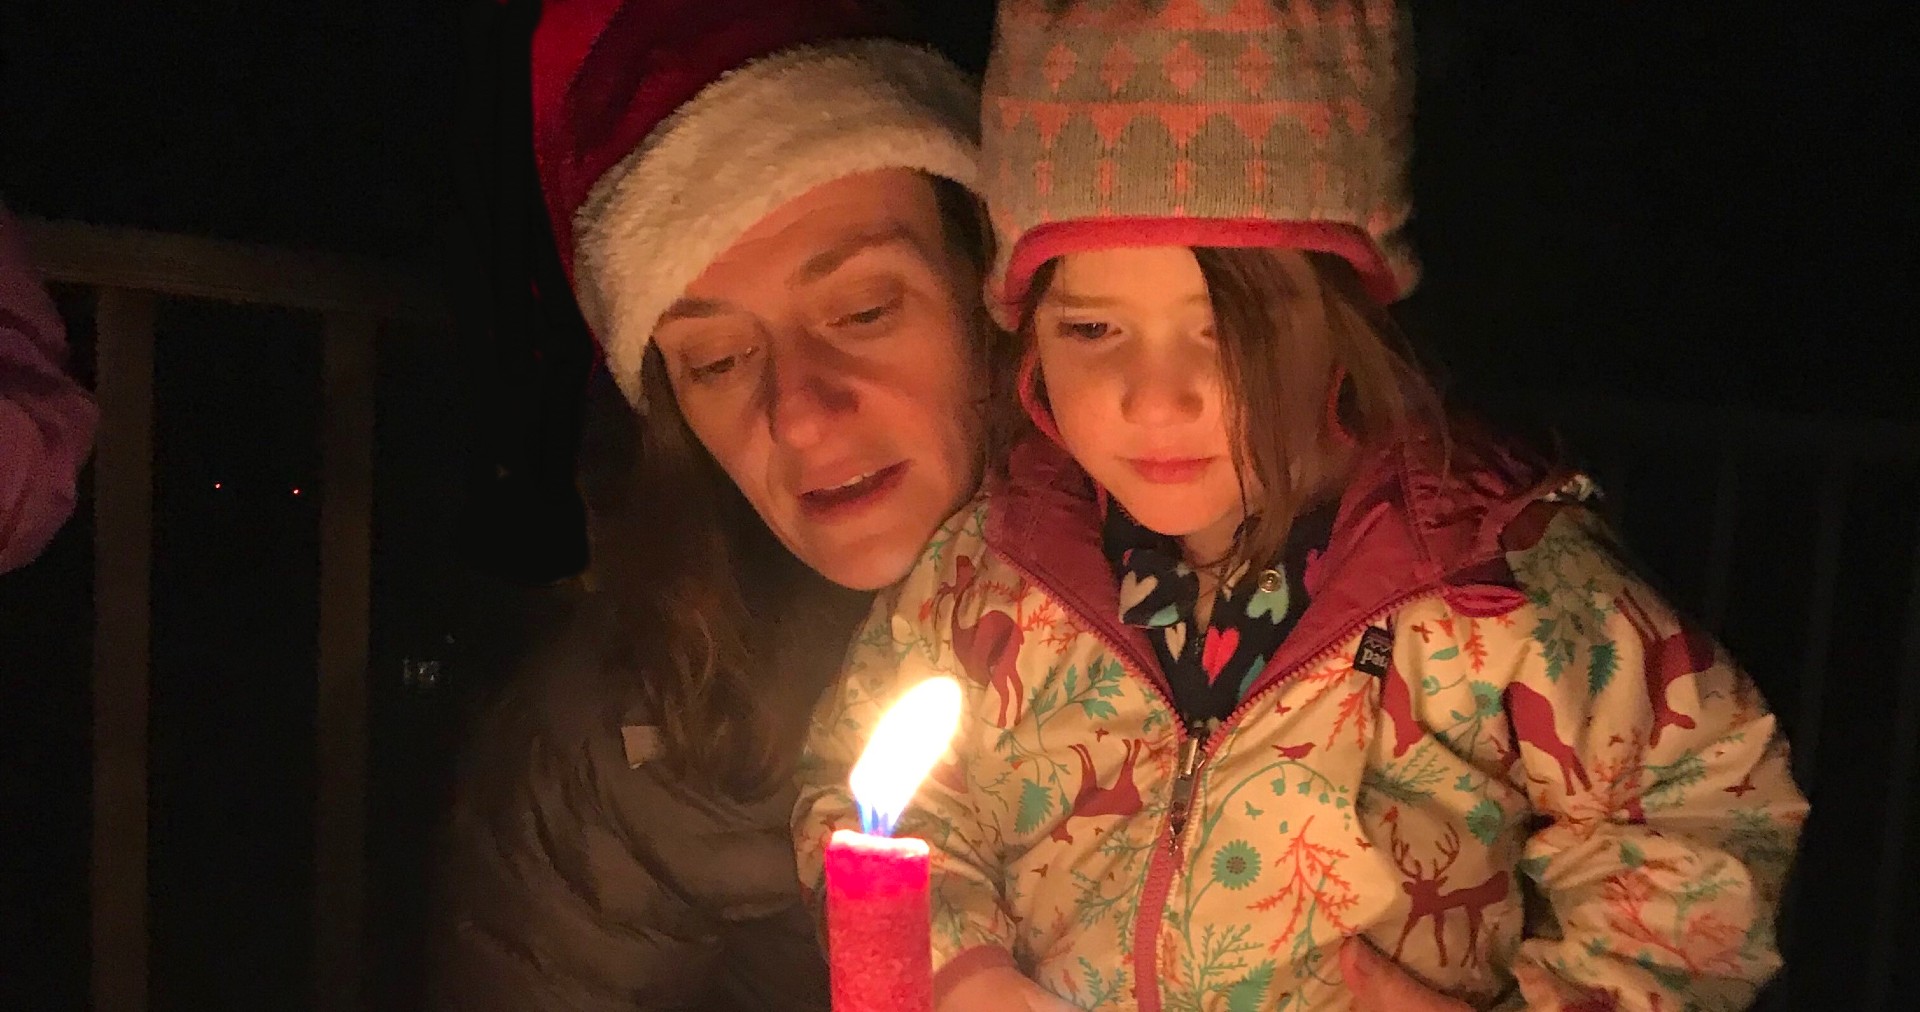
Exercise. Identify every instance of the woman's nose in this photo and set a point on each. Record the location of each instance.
(808, 390)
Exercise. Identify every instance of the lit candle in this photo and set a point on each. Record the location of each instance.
(879, 946)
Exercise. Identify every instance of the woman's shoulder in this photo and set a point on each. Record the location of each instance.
(570, 738)
(554, 723)
(567, 687)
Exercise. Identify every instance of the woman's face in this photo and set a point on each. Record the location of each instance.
(1132, 370)
(828, 363)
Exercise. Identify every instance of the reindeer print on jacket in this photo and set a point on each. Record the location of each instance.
(1480, 717)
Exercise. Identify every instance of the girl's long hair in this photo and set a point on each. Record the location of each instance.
(726, 634)
(1311, 366)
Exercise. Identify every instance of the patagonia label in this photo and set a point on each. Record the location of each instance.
(1376, 652)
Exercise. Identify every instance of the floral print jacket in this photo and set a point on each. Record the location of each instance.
(1486, 746)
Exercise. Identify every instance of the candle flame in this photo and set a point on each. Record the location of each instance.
(910, 738)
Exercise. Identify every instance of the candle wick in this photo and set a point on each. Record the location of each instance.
(876, 822)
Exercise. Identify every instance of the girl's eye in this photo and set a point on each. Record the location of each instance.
(1084, 330)
(869, 316)
(716, 368)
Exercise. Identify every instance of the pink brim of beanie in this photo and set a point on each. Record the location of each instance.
(1084, 235)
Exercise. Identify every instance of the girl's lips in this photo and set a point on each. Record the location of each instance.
(832, 504)
(1170, 470)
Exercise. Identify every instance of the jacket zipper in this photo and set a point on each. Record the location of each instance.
(1194, 754)
(1193, 759)
(1196, 748)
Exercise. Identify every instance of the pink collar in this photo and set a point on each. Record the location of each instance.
(1411, 521)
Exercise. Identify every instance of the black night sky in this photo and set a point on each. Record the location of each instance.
(1700, 204)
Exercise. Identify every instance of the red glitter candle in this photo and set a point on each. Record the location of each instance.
(878, 927)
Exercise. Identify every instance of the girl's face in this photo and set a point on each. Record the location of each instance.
(1132, 370)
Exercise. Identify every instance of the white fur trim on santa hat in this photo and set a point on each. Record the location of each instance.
(746, 144)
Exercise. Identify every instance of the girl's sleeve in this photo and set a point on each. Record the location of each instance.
(46, 419)
(901, 644)
(1669, 813)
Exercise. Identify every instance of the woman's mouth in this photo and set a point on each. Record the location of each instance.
(856, 493)
(1170, 470)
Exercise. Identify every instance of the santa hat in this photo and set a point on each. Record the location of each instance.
(664, 129)
(1249, 123)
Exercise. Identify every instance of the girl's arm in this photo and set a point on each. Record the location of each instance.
(900, 645)
(1672, 816)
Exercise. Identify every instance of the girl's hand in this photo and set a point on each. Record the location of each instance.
(1001, 989)
(1380, 985)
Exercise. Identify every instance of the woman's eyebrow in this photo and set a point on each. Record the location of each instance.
(833, 257)
(691, 309)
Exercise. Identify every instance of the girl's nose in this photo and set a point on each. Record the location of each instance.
(1165, 388)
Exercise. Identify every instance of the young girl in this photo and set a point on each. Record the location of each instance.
(1264, 657)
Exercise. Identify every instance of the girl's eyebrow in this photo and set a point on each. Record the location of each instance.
(1068, 300)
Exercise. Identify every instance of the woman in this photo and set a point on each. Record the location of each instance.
(790, 301)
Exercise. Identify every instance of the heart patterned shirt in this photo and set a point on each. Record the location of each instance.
(1209, 671)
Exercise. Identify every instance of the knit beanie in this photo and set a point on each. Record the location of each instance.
(664, 129)
(1246, 123)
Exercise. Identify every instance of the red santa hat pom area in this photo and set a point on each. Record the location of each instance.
(663, 129)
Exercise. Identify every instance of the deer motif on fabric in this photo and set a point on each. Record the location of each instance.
(1535, 724)
(1667, 658)
(989, 649)
(1396, 701)
(1424, 887)
(1093, 800)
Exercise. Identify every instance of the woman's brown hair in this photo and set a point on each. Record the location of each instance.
(1290, 326)
(726, 634)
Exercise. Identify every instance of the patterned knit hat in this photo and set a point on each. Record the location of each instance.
(1198, 123)
(664, 129)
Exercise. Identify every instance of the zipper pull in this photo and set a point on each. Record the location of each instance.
(1183, 785)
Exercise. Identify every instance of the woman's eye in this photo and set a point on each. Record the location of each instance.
(869, 316)
(715, 368)
(1084, 330)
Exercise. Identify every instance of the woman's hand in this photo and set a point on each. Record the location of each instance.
(1380, 985)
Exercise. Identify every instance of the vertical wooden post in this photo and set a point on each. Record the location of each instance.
(123, 544)
(346, 527)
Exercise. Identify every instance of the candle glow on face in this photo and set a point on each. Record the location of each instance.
(909, 739)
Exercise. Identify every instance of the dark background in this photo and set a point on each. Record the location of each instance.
(1656, 204)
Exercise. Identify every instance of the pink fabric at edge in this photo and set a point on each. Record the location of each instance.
(46, 419)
